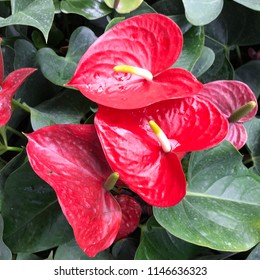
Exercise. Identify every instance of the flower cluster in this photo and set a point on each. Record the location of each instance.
(149, 116)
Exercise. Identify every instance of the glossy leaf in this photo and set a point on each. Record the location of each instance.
(90, 9)
(253, 142)
(202, 12)
(70, 159)
(229, 96)
(252, 4)
(125, 249)
(255, 254)
(249, 73)
(58, 69)
(131, 213)
(136, 42)
(33, 219)
(71, 251)
(133, 150)
(192, 48)
(221, 208)
(123, 6)
(8, 89)
(204, 62)
(5, 253)
(158, 244)
(65, 108)
(36, 13)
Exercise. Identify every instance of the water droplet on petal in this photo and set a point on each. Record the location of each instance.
(119, 76)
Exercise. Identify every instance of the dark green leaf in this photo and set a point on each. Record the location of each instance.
(222, 207)
(67, 107)
(221, 68)
(36, 13)
(33, 218)
(114, 22)
(5, 253)
(59, 70)
(192, 48)
(24, 256)
(253, 142)
(249, 73)
(71, 251)
(169, 7)
(125, 249)
(158, 244)
(90, 9)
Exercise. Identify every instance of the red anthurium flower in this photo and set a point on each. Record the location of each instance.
(144, 157)
(131, 213)
(8, 87)
(238, 104)
(70, 159)
(127, 67)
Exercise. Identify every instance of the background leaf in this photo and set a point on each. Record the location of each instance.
(33, 219)
(252, 4)
(253, 142)
(5, 253)
(71, 251)
(58, 69)
(222, 207)
(202, 12)
(204, 62)
(158, 244)
(90, 9)
(255, 253)
(36, 13)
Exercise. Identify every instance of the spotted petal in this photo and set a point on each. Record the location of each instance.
(70, 159)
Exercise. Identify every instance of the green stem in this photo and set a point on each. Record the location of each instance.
(20, 105)
(14, 149)
(14, 131)
(239, 55)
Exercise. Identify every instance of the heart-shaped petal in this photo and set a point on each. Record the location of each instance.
(229, 96)
(150, 41)
(237, 135)
(134, 152)
(70, 159)
(8, 89)
(131, 213)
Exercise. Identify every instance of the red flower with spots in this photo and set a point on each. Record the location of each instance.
(149, 161)
(128, 66)
(8, 87)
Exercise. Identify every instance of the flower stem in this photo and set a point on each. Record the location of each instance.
(14, 149)
(20, 105)
(14, 131)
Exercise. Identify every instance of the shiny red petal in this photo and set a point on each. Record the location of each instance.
(131, 213)
(229, 96)
(8, 89)
(237, 135)
(14, 80)
(70, 159)
(150, 41)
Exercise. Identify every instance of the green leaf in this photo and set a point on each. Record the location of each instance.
(59, 70)
(67, 107)
(192, 48)
(114, 22)
(202, 12)
(253, 142)
(33, 218)
(90, 9)
(5, 253)
(144, 8)
(221, 69)
(124, 249)
(71, 251)
(255, 253)
(158, 244)
(124, 6)
(204, 62)
(222, 207)
(252, 4)
(36, 13)
(249, 73)
(24, 256)
(169, 7)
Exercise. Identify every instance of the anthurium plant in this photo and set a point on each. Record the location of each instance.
(129, 130)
